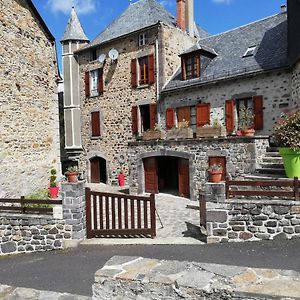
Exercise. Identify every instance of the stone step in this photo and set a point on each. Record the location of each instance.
(272, 154)
(272, 166)
(265, 177)
(272, 159)
(279, 171)
(272, 149)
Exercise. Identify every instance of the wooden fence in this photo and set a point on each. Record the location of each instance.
(266, 188)
(116, 215)
(26, 206)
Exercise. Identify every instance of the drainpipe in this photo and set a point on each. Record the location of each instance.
(157, 69)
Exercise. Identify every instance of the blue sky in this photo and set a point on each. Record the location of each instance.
(215, 16)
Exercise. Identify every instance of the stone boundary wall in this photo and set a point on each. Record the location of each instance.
(21, 233)
(238, 220)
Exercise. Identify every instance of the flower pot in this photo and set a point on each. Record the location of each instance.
(211, 131)
(72, 176)
(248, 132)
(121, 179)
(291, 161)
(180, 133)
(53, 191)
(215, 176)
(153, 135)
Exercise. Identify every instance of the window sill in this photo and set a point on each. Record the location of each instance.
(143, 86)
(96, 137)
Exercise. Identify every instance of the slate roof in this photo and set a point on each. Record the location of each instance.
(74, 30)
(270, 37)
(139, 15)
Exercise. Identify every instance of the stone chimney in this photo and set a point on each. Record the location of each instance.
(189, 17)
(283, 8)
(181, 14)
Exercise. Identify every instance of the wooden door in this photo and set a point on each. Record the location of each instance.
(184, 178)
(95, 171)
(151, 178)
(221, 160)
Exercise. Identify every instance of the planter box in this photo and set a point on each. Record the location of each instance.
(180, 133)
(153, 135)
(211, 131)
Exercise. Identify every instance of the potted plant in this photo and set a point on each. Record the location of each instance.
(212, 131)
(182, 131)
(215, 173)
(53, 189)
(287, 136)
(154, 134)
(246, 122)
(72, 174)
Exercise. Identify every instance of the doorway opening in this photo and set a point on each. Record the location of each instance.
(98, 170)
(167, 171)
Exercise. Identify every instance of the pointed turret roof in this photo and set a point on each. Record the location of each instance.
(74, 30)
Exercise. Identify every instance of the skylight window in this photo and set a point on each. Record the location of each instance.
(250, 51)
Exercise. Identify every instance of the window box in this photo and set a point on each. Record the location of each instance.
(179, 133)
(153, 135)
(211, 131)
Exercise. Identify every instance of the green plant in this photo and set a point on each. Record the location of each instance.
(53, 177)
(38, 195)
(216, 123)
(157, 127)
(246, 119)
(287, 131)
(215, 167)
(73, 169)
(183, 124)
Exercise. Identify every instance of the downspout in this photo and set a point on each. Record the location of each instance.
(157, 70)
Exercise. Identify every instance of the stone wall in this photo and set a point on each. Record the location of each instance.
(242, 156)
(29, 143)
(237, 220)
(275, 88)
(296, 85)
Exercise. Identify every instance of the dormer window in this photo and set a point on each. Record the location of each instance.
(143, 39)
(250, 51)
(190, 65)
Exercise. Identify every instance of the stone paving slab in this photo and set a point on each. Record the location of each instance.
(144, 278)
(19, 293)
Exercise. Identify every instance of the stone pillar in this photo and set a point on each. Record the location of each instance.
(74, 212)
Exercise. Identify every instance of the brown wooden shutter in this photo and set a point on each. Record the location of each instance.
(151, 73)
(134, 116)
(184, 113)
(134, 73)
(153, 118)
(87, 84)
(100, 81)
(258, 112)
(221, 160)
(151, 178)
(203, 114)
(183, 69)
(183, 178)
(170, 118)
(96, 123)
(229, 115)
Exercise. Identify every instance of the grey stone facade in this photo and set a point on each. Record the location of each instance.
(237, 220)
(242, 156)
(29, 144)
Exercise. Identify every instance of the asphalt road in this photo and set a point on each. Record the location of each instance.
(73, 270)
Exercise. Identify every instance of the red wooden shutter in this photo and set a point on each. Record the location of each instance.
(134, 73)
(151, 69)
(184, 113)
(151, 178)
(152, 115)
(96, 123)
(183, 69)
(258, 112)
(203, 114)
(100, 81)
(221, 160)
(87, 84)
(134, 116)
(170, 118)
(183, 178)
(229, 115)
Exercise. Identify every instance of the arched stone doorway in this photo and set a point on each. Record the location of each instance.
(98, 170)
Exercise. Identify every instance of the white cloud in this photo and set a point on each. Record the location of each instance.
(223, 1)
(81, 6)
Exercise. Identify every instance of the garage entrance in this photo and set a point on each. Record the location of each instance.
(167, 174)
(98, 170)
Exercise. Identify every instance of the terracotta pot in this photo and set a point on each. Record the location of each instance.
(215, 176)
(53, 190)
(72, 176)
(248, 132)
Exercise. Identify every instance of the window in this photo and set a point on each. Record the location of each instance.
(250, 51)
(190, 67)
(184, 114)
(142, 71)
(93, 83)
(93, 55)
(143, 66)
(143, 39)
(244, 103)
(95, 124)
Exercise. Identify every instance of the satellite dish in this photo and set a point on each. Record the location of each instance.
(102, 58)
(113, 54)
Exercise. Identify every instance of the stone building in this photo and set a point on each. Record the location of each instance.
(29, 138)
(121, 73)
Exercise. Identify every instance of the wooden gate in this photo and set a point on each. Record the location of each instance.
(118, 215)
